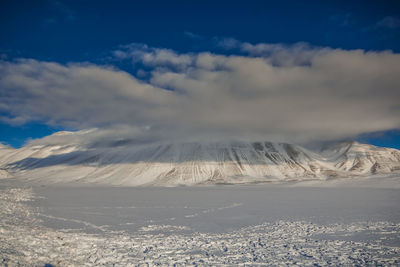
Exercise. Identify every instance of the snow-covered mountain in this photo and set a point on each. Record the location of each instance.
(363, 159)
(124, 163)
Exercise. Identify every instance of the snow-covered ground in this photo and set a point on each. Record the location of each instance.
(344, 222)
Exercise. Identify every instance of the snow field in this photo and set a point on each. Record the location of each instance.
(25, 241)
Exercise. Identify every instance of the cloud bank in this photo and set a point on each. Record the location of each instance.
(266, 91)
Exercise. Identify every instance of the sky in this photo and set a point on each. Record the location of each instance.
(285, 71)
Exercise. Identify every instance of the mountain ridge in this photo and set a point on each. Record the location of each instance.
(191, 163)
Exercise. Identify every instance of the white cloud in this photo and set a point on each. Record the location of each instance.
(77, 95)
(389, 22)
(193, 36)
(152, 56)
(227, 42)
(279, 93)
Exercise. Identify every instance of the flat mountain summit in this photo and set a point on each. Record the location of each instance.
(191, 163)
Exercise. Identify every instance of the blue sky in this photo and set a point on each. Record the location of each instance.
(91, 31)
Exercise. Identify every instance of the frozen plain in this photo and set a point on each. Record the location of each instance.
(338, 222)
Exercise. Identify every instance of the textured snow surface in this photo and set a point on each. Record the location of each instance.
(26, 239)
(125, 163)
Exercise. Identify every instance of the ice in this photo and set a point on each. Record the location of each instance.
(80, 225)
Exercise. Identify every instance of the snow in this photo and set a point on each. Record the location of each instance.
(283, 224)
(174, 164)
(254, 203)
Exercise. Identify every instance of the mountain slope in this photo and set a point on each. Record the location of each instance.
(363, 159)
(123, 163)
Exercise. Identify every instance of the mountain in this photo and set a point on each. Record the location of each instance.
(363, 159)
(125, 163)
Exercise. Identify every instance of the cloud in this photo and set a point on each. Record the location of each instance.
(95, 138)
(227, 43)
(298, 54)
(59, 12)
(152, 56)
(193, 36)
(63, 9)
(76, 95)
(389, 22)
(342, 19)
(284, 93)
